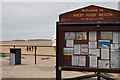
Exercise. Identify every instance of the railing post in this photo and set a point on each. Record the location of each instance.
(35, 54)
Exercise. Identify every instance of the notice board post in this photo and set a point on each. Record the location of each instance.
(88, 42)
(58, 68)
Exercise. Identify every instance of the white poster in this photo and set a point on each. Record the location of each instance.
(69, 43)
(68, 51)
(106, 35)
(104, 53)
(74, 60)
(115, 58)
(116, 37)
(103, 64)
(84, 49)
(82, 60)
(92, 36)
(76, 48)
(115, 55)
(93, 61)
(92, 44)
(115, 47)
(94, 52)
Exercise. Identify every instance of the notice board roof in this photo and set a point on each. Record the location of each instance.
(91, 13)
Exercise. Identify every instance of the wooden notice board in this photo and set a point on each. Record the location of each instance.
(88, 46)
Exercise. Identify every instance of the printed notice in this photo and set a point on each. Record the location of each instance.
(115, 59)
(92, 44)
(82, 60)
(94, 52)
(119, 59)
(81, 35)
(68, 51)
(69, 43)
(103, 64)
(74, 60)
(116, 37)
(115, 55)
(115, 47)
(106, 35)
(69, 35)
(93, 61)
(84, 49)
(92, 36)
(104, 53)
(104, 43)
(76, 48)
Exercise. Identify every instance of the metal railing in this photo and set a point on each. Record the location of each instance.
(35, 47)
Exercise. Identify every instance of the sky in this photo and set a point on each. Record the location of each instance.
(37, 20)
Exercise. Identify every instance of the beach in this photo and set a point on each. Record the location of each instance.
(45, 67)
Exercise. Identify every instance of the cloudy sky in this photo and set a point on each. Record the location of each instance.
(37, 20)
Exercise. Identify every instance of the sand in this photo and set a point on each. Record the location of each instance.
(43, 69)
(40, 50)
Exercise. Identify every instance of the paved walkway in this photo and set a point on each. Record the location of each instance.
(45, 69)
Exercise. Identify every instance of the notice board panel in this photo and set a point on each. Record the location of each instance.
(93, 47)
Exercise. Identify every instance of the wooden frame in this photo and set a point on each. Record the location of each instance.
(97, 26)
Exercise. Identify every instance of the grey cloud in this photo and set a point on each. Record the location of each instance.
(24, 20)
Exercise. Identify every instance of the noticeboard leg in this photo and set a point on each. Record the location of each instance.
(58, 73)
(98, 76)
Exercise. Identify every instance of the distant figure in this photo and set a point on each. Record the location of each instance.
(32, 48)
(36, 47)
(27, 49)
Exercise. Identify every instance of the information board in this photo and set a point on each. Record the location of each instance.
(89, 48)
(88, 40)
